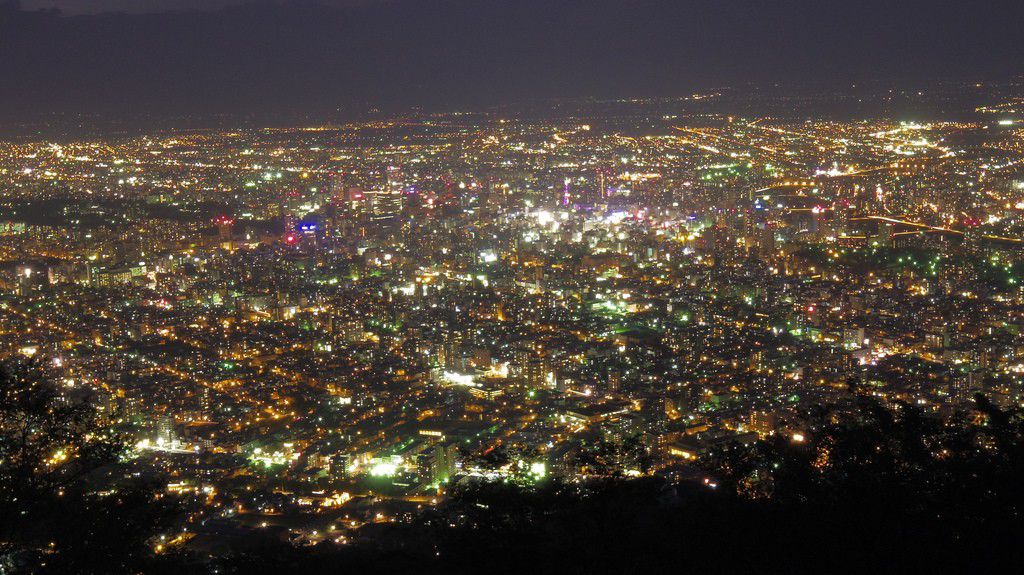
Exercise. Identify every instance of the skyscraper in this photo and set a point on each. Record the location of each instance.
(387, 202)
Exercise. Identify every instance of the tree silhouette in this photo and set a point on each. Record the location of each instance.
(869, 487)
(51, 449)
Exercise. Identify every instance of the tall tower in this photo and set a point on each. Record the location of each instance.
(388, 201)
(224, 230)
(289, 220)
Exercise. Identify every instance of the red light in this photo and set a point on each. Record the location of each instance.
(290, 239)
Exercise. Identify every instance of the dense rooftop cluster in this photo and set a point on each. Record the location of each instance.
(315, 331)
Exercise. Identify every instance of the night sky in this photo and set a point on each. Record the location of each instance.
(170, 56)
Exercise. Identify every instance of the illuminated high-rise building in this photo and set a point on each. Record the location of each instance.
(387, 202)
(225, 232)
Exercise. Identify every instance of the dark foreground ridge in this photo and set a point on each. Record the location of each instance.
(888, 489)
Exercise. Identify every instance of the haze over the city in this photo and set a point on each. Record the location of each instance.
(278, 57)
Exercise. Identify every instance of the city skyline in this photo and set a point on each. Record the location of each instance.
(449, 286)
